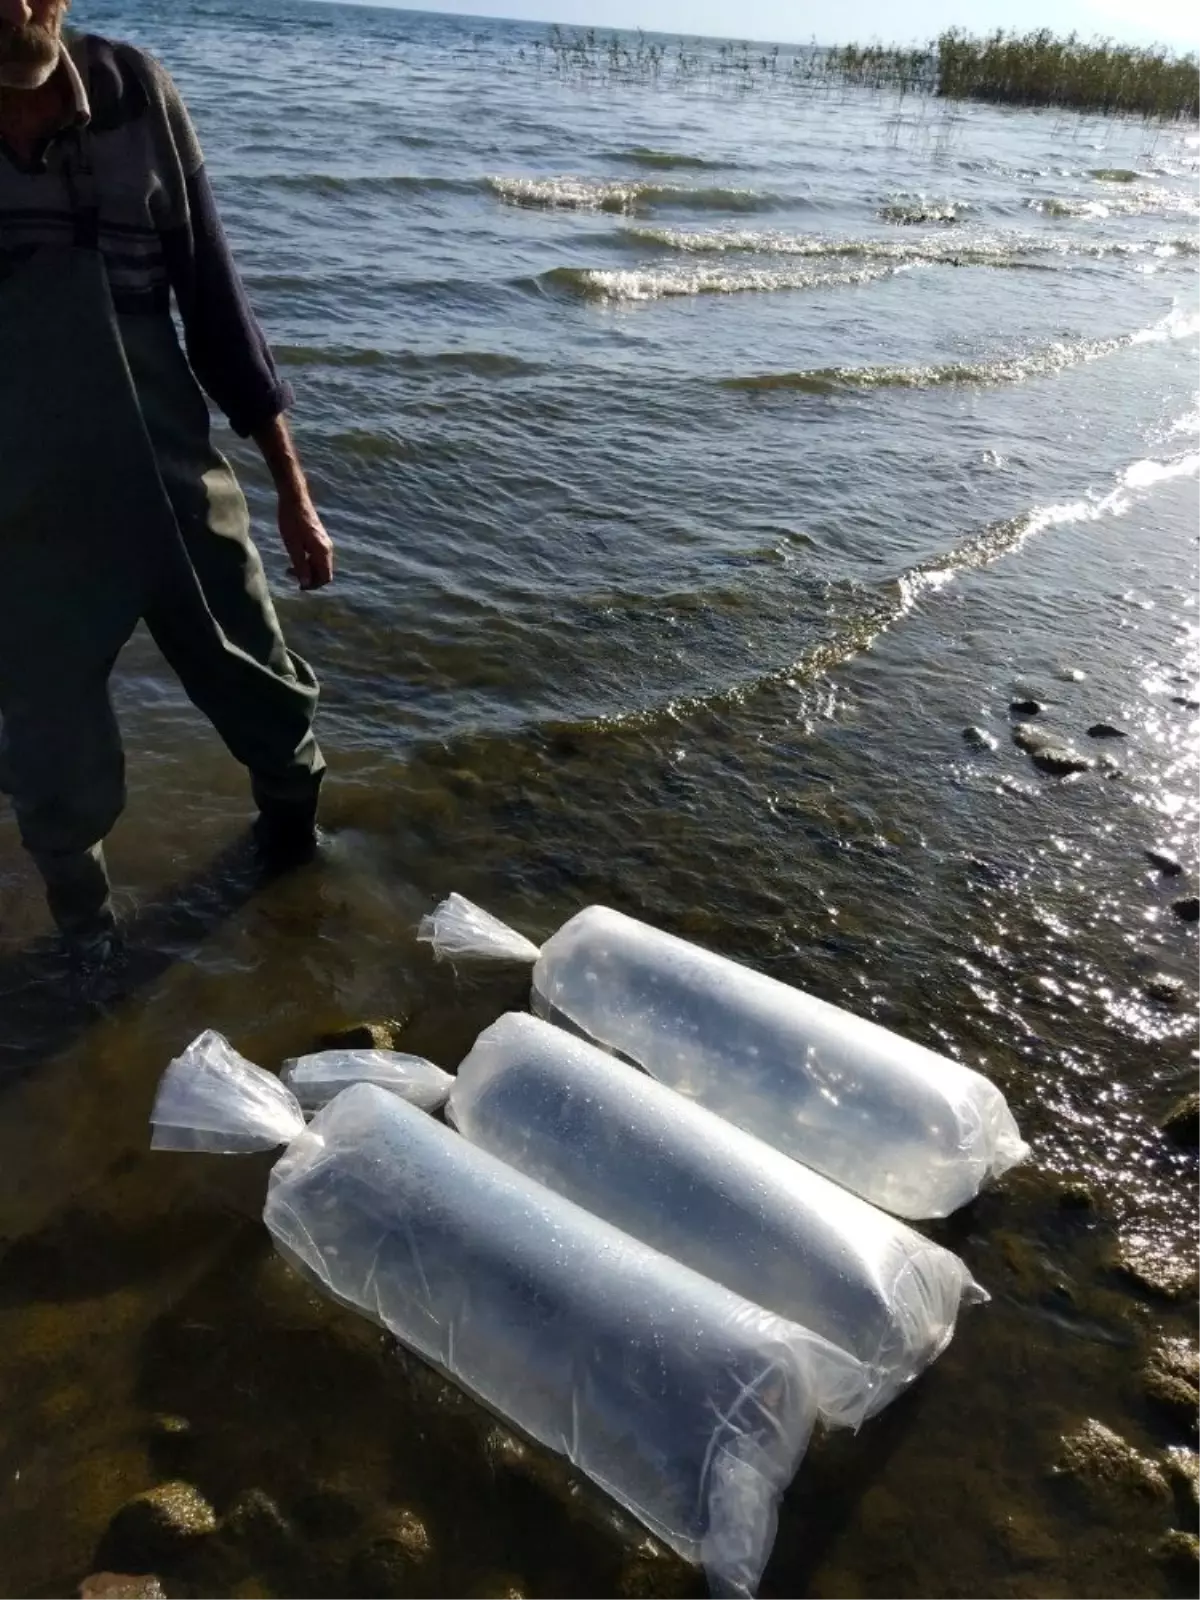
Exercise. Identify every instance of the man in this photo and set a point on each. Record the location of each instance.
(114, 505)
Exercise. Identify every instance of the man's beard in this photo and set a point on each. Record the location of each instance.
(29, 54)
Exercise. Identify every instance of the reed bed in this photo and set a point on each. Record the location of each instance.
(1035, 69)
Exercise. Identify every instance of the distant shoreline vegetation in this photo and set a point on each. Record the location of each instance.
(1033, 69)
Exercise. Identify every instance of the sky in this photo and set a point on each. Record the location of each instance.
(1169, 22)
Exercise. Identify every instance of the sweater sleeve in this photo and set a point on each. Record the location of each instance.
(225, 344)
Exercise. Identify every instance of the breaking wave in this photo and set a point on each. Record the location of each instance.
(624, 195)
(657, 283)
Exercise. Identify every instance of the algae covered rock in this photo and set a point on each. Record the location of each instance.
(1182, 1122)
(121, 1586)
(1171, 1383)
(158, 1525)
(1183, 1468)
(1164, 987)
(1179, 1552)
(255, 1521)
(1157, 1268)
(389, 1564)
(654, 1573)
(1109, 1467)
(330, 1511)
(498, 1586)
(381, 1035)
(1077, 1196)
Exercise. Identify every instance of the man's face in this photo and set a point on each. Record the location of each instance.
(29, 32)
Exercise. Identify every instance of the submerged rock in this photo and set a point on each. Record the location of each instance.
(1028, 736)
(390, 1563)
(498, 1586)
(383, 1035)
(167, 1426)
(1167, 862)
(1024, 1537)
(1183, 1468)
(257, 1522)
(1110, 767)
(1060, 760)
(653, 1572)
(1161, 986)
(1076, 1197)
(406, 1529)
(1106, 730)
(1048, 752)
(1187, 909)
(1025, 708)
(980, 739)
(1182, 1122)
(159, 1524)
(1186, 701)
(121, 1586)
(1110, 1467)
(1180, 1553)
(1156, 1269)
(330, 1512)
(1171, 1382)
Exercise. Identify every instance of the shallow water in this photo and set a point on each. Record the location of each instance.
(692, 495)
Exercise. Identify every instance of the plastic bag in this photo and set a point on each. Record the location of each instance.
(912, 1131)
(695, 1187)
(689, 1405)
(211, 1098)
(315, 1079)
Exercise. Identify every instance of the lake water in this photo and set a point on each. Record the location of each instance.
(702, 462)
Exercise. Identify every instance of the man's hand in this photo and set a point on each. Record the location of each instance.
(305, 540)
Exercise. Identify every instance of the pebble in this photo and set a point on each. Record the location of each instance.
(1187, 909)
(1106, 730)
(1167, 862)
(981, 739)
(1186, 702)
(1024, 708)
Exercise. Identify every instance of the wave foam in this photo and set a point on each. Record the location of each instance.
(657, 283)
(622, 195)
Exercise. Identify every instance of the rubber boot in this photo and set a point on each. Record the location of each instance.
(79, 897)
(285, 830)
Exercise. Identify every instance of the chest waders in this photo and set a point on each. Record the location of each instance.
(114, 508)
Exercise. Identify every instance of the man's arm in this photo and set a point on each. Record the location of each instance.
(304, 539)
(229, 353)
